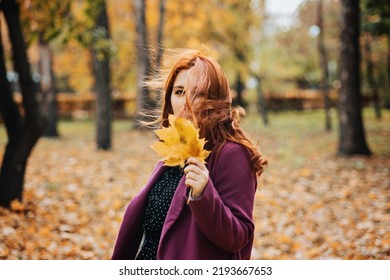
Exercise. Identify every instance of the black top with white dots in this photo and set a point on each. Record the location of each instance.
(159, 200)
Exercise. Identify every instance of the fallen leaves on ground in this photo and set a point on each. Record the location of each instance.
(331, 210)
(310, 206)
(75, 197)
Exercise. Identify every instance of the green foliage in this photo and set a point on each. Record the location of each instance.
(290, 55)
(376, 15)
(230, 29)
(375, 24)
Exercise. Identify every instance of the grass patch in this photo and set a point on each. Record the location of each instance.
(87, 127)
(295, 136)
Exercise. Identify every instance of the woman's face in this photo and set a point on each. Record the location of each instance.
(178, 98)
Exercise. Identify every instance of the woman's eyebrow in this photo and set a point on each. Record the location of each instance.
(178, 86)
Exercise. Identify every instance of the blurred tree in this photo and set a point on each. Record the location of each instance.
(74, 59)
(370, 76)
(23, 132)
(186, 24)
(324, 83)
(376, 22)
(100, 52)
(144, 101)
(160, 33)
(89, 26)
(48, 89)
(43, 21)
(261, 103)
(229, 29)
(256, 70)
(122, 31)
(352, 138)
(290, 54)
(239, 89)
(155, 21)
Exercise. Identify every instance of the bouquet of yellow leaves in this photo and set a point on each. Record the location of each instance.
(179, 141)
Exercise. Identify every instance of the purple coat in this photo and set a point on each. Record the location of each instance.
(218, 225)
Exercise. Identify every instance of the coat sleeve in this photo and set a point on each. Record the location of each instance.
(224, 212)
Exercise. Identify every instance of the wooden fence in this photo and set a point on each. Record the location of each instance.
(307, 99)
(75, 106)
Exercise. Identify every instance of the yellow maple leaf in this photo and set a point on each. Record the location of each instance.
(179, 141)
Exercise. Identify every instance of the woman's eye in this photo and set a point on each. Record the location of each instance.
(179, 92)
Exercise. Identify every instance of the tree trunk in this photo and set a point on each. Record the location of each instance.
(324, 66)
(370, 76)
(49, 94)
(239, 92)
(8, 108)
(387, 89)
(160, 34)
(261, 104)
(22, 134)
(144, 101)
(352, 136)
(101, 65)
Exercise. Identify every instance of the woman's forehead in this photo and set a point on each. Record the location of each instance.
(182, 79)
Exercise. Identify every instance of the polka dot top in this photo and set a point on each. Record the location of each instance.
(159, 200)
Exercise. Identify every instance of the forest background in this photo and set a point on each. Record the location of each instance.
(87, 60)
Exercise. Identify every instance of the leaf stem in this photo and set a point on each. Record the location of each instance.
(189, 196)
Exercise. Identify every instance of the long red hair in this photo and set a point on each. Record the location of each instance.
(212, 112)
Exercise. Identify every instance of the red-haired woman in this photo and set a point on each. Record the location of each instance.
(217, 223)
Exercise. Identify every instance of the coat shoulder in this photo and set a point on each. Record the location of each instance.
(231, 149)
(232, 156)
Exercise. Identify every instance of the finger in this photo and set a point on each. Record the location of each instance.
(191, 183)
(193, 160)
(193, 176)
(196, 162)
(192, 168)
(201, 180)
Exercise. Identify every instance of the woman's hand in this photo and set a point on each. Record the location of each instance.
(197, 176)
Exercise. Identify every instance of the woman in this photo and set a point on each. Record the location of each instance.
(217, 222)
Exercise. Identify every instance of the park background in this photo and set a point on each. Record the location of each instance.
(314, 83)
